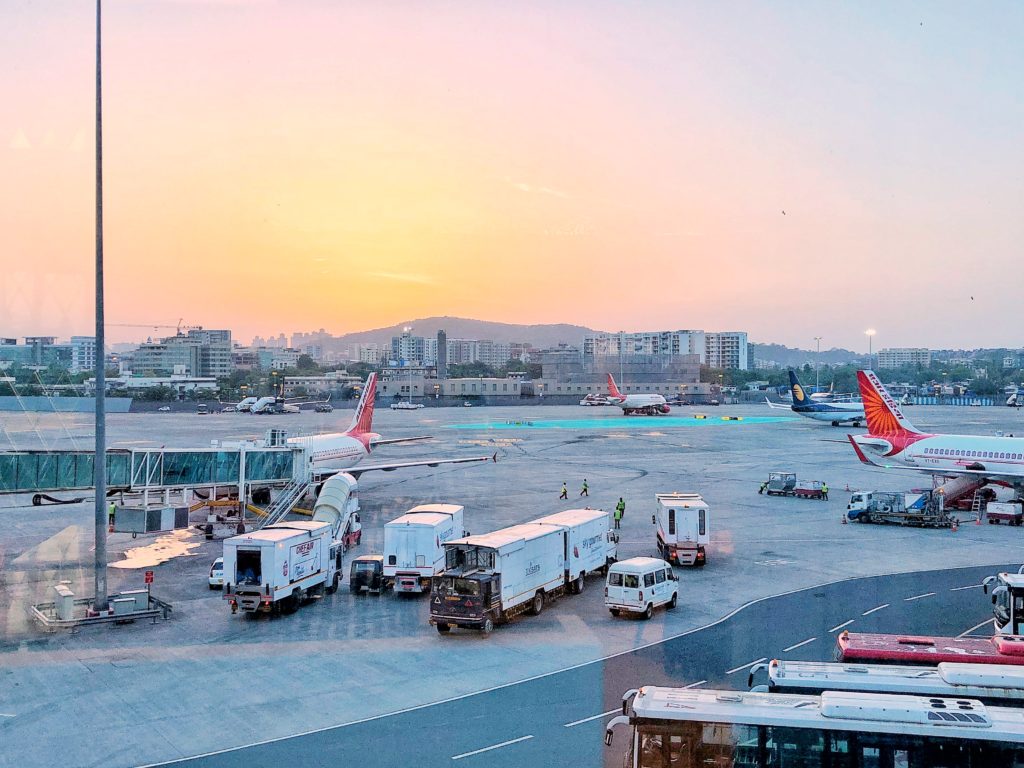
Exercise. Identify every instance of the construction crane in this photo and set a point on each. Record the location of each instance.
(155, 326)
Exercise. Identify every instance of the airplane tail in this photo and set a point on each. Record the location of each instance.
(612, 389)
(362, 421)
(883, 414)
(799, 396)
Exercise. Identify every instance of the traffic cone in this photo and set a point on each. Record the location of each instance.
(977, 520)
(954, 527)
(844, 519)
(847, 486)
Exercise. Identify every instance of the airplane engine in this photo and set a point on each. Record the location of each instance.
(664, 408)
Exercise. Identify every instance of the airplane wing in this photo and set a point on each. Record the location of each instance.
(777, 406)
(358, 470)
(393, 440)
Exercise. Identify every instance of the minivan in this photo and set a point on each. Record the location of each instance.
(639, 585)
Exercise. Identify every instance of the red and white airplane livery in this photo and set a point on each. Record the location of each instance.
(336, 452)
(648, 404)
(892, 441)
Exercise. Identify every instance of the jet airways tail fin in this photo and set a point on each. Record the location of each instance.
(799, 396)
(883, 414)
(612, 389)
(362, 421)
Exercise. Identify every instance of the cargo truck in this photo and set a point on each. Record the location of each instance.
(494, 577)
(1009, 512)
(414, 545)
(924, 510)
(276, 568)
(683, 528)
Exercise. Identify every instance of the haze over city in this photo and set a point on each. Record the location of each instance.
(790, 170)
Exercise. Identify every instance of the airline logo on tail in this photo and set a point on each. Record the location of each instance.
(885, 419)
(799, 397)
(362, 421)
(614, 390)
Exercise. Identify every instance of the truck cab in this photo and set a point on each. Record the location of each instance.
(1007, 591)
(464, 600)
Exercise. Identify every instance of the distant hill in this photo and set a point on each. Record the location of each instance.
(464, 328)
(788, 357)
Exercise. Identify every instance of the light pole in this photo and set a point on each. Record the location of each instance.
(817, 363)
(870, 333)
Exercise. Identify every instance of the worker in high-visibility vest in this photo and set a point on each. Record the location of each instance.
(110, 514)
(824, 491)
(620, 510)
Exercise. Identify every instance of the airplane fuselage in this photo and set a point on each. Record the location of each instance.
(831, 412)
(333, 451)
(640, 401)
(949, 454)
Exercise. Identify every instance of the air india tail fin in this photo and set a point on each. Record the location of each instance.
(612, 389)
(362, 421)
(883, 414)
(799, 396)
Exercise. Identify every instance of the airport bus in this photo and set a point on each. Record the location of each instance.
(928, 651)
(690, 728)
(999, 685)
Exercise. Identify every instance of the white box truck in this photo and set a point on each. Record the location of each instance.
(683, 528)
(590, 546)
(496, 576)
(414, 545)
(274, 569)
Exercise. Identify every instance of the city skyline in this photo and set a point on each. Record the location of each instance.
(713, 162)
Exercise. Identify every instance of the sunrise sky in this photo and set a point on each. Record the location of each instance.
(320, 163)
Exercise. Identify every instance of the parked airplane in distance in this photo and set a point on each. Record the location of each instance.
(834, 412)
(649, 404)
(342, 451)
(892, 441)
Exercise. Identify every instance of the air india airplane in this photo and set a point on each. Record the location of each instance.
(892, 441)
(648, 404)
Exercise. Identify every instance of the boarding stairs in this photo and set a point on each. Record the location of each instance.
(288, 497)
(978, 503)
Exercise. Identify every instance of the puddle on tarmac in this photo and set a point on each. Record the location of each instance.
(164, 548)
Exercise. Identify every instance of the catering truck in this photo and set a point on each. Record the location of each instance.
(683, 528)
(276, 568)
(414, 545)
(494, 577)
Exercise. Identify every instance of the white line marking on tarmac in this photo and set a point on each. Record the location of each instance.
(755, 661)
(540, 676)
(588, 719)
(694, 685)
(976, 626)
(494, 746)
(876, 608)
(917, 597)
(970, 586)
(794, 647)
(837, 627)
(3, 714)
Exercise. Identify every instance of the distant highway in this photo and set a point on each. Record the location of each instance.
(558, 719)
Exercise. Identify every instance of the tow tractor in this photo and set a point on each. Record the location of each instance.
(1007, 591)
(785, 484)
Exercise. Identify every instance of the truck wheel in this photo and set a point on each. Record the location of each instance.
(487, 627)
(537, 605)
(334, 584)
(443, 629)
(649, 611)
(673, 601)
(580, 584)
(353, 589)
(613, 611)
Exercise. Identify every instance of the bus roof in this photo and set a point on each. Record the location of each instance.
(833, 710)
(863, 646)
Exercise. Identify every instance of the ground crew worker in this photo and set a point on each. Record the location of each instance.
(824, 491)
(620, 510)
(586, 488)
(110, 515)
(764, 485)
(565, 491)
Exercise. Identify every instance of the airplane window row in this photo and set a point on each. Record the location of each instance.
(973, 454)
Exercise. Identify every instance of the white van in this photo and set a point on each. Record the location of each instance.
(639, 585)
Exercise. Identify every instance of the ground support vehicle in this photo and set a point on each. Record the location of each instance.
(639, 585)
(780, 484)
(928, 651)
(699, 728)
(414, 545)
(494, 577)
(1009, 512)
(276, 568)
(993, 684)
(683, 528)
(1007, 591)
(923, 510)
(367, 573)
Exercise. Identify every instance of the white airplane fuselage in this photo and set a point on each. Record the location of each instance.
(333, 451)
(949, 454)
(640, 401)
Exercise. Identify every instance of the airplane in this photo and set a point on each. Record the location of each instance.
(278, 404)
(1015, 400)
(647, 404)
(893, 442)
(835, 412)
(335, 452)
(243, 406)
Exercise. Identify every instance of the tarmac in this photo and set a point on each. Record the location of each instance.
(206, 680)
